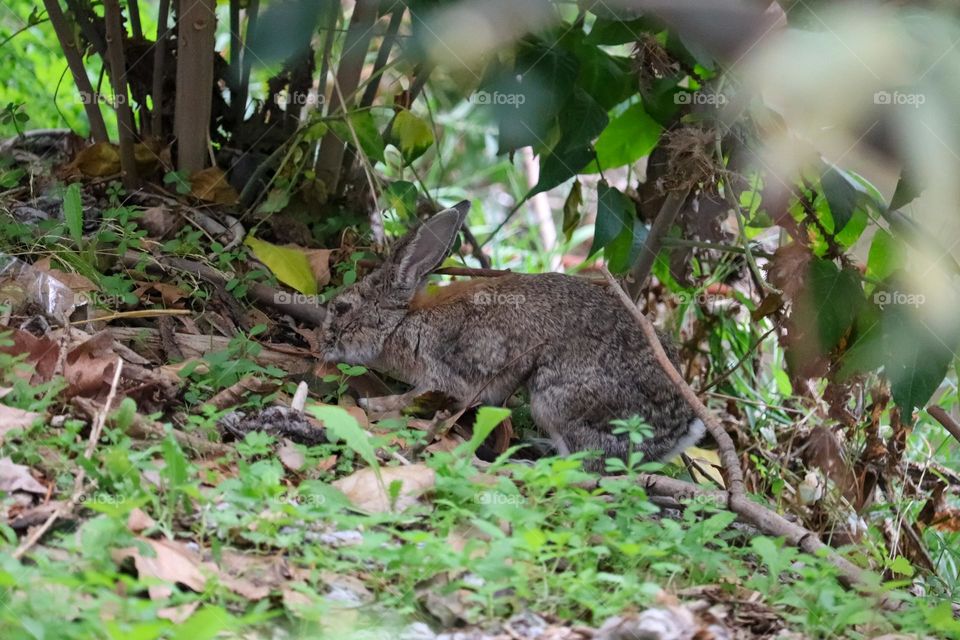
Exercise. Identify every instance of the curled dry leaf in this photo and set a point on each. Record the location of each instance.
(17, 477)
(172, 562)
(367, 493)
(211, 185)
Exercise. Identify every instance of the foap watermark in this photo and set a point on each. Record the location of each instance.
(708, 98)
(500, 498)
(98, 98)
(497, 98)
(311, 99)
(883, 298)
(99, 299)
(899, 98)
(285, 297)
(494, 297)
(701, 298)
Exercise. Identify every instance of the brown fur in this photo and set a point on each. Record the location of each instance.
(571, 343)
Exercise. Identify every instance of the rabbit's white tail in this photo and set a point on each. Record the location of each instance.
(695, 431)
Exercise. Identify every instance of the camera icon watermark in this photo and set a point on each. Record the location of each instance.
(286, 297)
(698, 98)
(496, 98)
(884, 298)
(485, 298)
(899, 98)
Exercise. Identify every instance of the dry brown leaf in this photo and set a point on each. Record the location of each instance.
(17, 477)
(138, 520)
(98, 160)
(211, 185)
(250, 576)
(319, 260)
(178, 615)
(290, 456)
(365, 491)
(170, 294)
(172, 562)
(160, 222)
(12, 418)
(89, 366)
(359, 415)
(41, 354)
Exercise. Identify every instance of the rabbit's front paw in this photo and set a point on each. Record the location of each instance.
(384, 404)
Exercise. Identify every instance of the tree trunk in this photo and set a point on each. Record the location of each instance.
(197, 20)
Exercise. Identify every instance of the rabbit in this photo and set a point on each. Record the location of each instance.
(578, 351)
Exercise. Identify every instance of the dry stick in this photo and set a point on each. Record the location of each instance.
(98, 129)
(944, 418)
(95, 431)
(651, 247)
(118, 78)
(735, 497)
(728, 454)
(159, 57)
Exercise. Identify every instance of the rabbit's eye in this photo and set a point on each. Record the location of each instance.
(341, 308)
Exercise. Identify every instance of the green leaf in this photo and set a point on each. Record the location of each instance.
(615, 214)
(902, 566)
(571, 209)
(611, 32)
(917, 356)
(885, 257)
(411, 135)
(559, 166)
(581, 120)
(205, 624)
(73, 212)
(401, 196)
(908, 188)
(370, 139)
(290, 266)
(607, 79)
(843, 195)
(837, 297)
(624, 250)
(630, 136)
(343, 426)
(487, 420)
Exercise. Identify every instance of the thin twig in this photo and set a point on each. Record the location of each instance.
(944, 418)
(723, 376)
(651, 247)
(728, 454)
(78, 489)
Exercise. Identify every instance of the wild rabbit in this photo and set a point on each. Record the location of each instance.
(572, 344)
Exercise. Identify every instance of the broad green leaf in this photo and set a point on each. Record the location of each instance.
(917, 356)
(411, 135)
(902, 566)
(610, 32)
(571, 209)
(401, 196)
(559, 166)
(854, 228)
(837, 297)
(73, 212)
(615, 214)
(842, 194)
(290, 266)
(624, 250)
(885, 257)
(205, 624)
(362, 124)
(908, 188)
(581, 120)
(630, 136)
(487, 420)
(608, 79)
(343, 426)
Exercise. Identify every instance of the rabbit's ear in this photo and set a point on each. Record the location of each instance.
(429, 246)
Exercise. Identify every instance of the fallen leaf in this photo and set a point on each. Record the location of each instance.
(289, 264)
(172, 562)
(290, 456)
(17, 477)
(211, 185)
(160, 222)
(170, 294)
(98, 160)
(252, 576)
(365, 491)
(41, 354)
(178, 615)
(138, 520)
(12, 418)
(319, 260)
